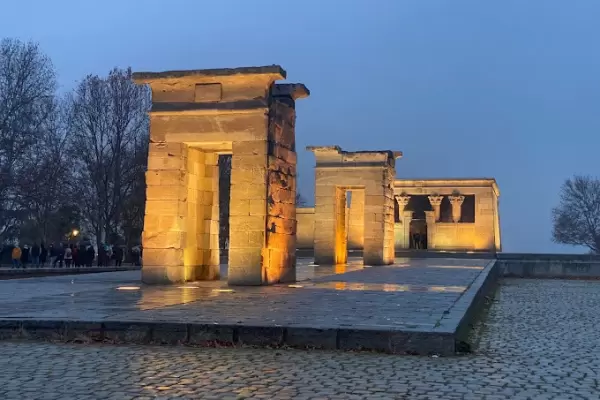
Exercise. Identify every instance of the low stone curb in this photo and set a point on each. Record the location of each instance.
(470, 304)
(550, 269)
(209, 335)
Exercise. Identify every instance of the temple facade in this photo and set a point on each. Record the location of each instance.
(429, 214)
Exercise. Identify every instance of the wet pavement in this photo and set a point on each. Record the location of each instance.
(538, 342)
(409, 295)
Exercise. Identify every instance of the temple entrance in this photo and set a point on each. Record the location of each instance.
(418, 234)
(353, 205)
(349, 222)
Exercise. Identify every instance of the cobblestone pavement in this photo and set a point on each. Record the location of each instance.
(409, 295)
(539, 341)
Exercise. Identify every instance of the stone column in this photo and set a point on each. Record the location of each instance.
(406, 217)
(165, 227)
(379, 246)
(402, 203)
(436, 201)
(431, 229)
(248, 213)
(341, 227)
(456, 202)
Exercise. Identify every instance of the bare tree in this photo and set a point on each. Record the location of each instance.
(132, 214)
(27, 89)
(577, 217)
(45, 187)
(108, 120)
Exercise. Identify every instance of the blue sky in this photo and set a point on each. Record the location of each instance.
(507, 89)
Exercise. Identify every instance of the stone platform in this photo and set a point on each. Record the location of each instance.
(415, 306)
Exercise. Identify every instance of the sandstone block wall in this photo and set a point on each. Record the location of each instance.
(338, 172)
(197, 115)
(280, 261)
(482, 235)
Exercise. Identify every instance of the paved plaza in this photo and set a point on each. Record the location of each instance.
(412, 306)
(410, 293)
(538, 342)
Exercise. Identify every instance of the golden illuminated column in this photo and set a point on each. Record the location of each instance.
(166, 214)
(197, 115)
(262, 245)
(402, 228)
(402, 201)
(406, 218)
(431, 229)
(341, 227)
(456, 201)
(436, 202)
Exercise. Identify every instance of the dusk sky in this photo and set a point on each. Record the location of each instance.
(506, 89)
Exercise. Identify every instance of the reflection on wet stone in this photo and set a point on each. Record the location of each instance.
(410, 293)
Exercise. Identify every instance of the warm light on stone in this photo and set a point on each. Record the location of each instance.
(195, 117)
(369, 175)
(481, 235)
(456, 201)
(436, 201)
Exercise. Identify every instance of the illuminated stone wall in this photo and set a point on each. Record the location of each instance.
(482, 235)
(197, 115)
(279, 255)
(356, 220)
(338, 172)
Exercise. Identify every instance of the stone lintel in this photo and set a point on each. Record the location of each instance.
(293, 90)
(324, 149)
(221, 89)
(329, 156)
(447, 183)
(275, 71)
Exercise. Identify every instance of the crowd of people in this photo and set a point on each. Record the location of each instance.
(71, 255)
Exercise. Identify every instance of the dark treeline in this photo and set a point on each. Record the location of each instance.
(75, 161)
(69, 161)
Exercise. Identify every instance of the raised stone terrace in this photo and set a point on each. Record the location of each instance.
(413, 306)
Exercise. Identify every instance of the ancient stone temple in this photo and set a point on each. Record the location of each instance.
(197, 116)
(367, 177)
(430, 214)
(448, 214)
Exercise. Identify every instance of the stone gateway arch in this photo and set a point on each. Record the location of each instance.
(197, 116)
